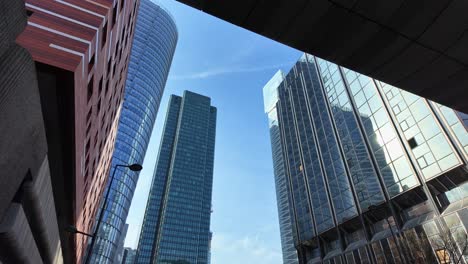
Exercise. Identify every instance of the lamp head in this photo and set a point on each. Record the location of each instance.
(135, 167)
(71, 229)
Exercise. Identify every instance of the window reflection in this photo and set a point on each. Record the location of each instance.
(387, 149)
(431, 149)
(357, 158)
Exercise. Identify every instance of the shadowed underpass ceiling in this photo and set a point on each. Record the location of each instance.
(417, 45)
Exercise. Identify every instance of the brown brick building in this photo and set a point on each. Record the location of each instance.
(81, 50)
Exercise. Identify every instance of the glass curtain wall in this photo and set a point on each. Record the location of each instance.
(270, 96)
(369, 167)
(153, 47)
(176, 225)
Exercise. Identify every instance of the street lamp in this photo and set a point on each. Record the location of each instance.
(72, 230)
(133, 167)
(373, 208)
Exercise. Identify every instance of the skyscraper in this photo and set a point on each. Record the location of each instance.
(80, 51)
(270, 96)
(368, 167)
(151, 56)
(176, 225)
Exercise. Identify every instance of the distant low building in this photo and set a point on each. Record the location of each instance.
(128, 256)
(119, 251)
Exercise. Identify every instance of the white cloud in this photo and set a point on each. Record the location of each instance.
(220, 71)
(249, 249)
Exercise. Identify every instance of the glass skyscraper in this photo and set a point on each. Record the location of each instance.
(368, 167)
(176, 225)
(151, 56)
(270, 96)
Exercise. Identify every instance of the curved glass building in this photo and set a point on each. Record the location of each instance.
(151, 56)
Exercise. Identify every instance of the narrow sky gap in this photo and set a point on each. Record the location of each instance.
(228, 70)
(231, 65)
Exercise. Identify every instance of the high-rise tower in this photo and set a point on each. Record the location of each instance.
(151, 56)
(176, 226)
(370, 168)
(270, 97)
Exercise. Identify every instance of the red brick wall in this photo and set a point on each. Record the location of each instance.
(71, 35)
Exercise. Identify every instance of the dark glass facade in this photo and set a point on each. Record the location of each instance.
(176, 225)
(128, 256)
(369, 167)
(151, 56)
(270, 96)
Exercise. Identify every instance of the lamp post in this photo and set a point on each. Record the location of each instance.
(133, 167)
(373, 208)
(72, 230)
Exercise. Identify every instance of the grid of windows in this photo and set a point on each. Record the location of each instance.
(432, 150)
(270, 92)
(396, 159)
(176, 226)
(299, 193)
(456, 125)
(394, 165)
(310, 161)
(153, 206)
(152, 50)
(362, 172)
(339, 185)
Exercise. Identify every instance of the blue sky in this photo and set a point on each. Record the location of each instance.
(230, 65)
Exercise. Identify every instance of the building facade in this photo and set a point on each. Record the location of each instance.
(81, 51)
(150, 60)
(176, 225)
(369, 167)
(270, 97)
(119, 251)
(128, 256)
(29, 232)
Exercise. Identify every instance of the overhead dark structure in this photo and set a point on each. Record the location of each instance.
(417, 45)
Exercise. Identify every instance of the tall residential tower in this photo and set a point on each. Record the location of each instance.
(151, 56)
(176, 226)
(370, 168)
